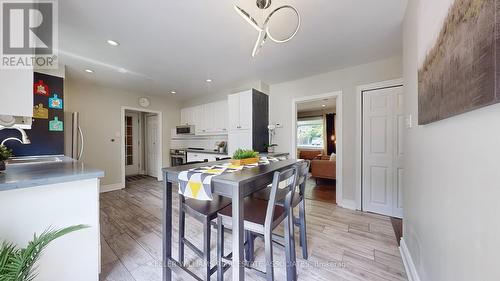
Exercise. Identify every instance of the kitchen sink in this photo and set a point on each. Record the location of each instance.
(34, 160)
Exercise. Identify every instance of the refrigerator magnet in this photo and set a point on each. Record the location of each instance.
(55, 102)
(56, 125)
(41, 89)
(40, 112)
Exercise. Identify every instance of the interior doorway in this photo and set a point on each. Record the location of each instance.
(317, 136)
(133, 143)
(141, 144)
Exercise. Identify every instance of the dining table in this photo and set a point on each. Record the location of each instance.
(236, 186)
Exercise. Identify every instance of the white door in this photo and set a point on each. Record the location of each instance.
(383, 125)
(132, 143)
(152, 142)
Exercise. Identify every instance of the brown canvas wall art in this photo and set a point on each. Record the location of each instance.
(459, 73)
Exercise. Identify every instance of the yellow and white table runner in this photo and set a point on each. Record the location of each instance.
(197, 183)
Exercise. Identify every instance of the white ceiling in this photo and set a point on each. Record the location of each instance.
(330, 105)
(176, 45)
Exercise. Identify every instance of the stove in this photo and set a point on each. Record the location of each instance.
(178, 157)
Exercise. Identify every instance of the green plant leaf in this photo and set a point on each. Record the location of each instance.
(5, 153)
(245, 154)
(18, 264)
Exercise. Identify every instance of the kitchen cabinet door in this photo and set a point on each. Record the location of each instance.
(184, 117)
(234, 111)
(245, 108)
(239, 139)
(209, 117)
(195, 156)
(188, 114)
(18, 88)
(222, 116)
(198, 118)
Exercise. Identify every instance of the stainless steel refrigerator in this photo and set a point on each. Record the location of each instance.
(75, 137)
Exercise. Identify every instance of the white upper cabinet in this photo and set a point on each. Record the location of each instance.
(16, 92)
(245, 110)
(221, 116)
(188, 116)
(234, 111)
(240, 111)
(210, 118)
(184, 117)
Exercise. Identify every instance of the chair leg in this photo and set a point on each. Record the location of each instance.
(303, 229)
(268, 244)
(220, 249)
(249, 247)
(206, 247)
(182, 228)
(290, 248)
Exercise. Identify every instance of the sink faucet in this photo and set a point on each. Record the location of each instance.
(24, 137)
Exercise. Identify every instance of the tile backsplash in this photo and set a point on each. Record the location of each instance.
(206, 142)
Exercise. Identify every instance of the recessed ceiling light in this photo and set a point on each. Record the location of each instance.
(173, 92)
(89, 70)
(113, 43)
(323, 105)
(209, 80)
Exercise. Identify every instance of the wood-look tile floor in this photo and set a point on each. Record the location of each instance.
(343, 244)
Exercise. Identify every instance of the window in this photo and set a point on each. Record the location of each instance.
(310, 132)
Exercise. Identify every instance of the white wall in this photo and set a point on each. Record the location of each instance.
(345, 80)
(257, 85)
(452, 179)
(100, 113)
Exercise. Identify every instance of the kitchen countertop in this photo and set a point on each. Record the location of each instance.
(208, 151)
(274, 154)
(30, 175)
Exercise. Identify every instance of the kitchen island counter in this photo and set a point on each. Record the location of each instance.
(38, 174)
(53, 191)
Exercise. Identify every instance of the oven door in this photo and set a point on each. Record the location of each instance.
(177, 160)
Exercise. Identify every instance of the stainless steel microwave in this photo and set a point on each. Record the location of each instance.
(185, 130)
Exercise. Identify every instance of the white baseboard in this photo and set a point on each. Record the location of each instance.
(111, 187)
(411, 270)
(348, 204)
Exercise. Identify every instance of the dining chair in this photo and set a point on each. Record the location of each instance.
(298, 200)
(204, 212)
(261, 217)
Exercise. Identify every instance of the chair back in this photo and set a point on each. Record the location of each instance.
(287, 181)
(303, 172)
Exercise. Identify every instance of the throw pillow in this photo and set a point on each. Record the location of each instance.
(333, 157)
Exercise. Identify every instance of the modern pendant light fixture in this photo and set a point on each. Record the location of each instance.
(263, 30)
